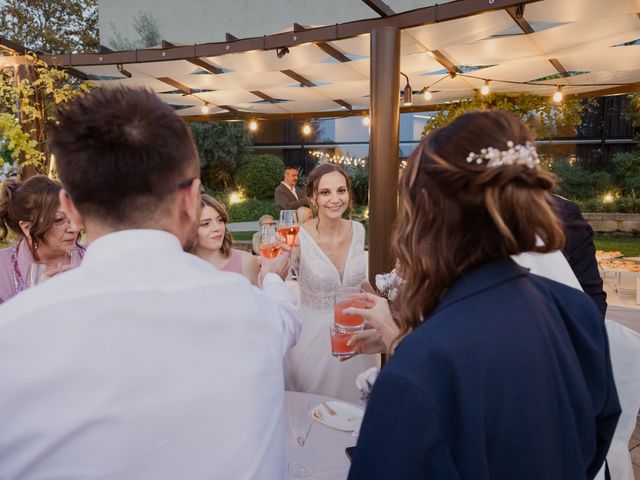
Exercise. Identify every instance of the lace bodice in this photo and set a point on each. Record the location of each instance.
(318, 278)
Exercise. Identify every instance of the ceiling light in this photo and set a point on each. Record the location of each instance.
(205, 108)
(281, 52)
(557, 97)
(407, 96)
(366, 120)
(427, 94)
(122, 70)
(306, 129)
(253, 125)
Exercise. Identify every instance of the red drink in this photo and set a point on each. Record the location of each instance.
(349, 322)
(271, 250)
(289, 234)
(339, 338)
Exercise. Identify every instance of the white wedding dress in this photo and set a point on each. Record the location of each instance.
(312, 368)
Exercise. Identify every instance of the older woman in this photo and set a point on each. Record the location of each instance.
(497, 373)
(31, 211)
(214, 242)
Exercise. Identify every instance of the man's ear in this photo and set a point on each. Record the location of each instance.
(70, 209)
(192, 201)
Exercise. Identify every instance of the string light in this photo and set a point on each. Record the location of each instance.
(427, 95)
(366, 121)
(407, 95)
(306, 129)
(253, 125)
(485, 88)
(205, 108)
(557, 97)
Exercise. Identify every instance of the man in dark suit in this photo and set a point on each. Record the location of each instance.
(288, 196)
(580, 251)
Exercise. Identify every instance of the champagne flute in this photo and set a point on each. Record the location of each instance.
(300, 422)
(38, 272)
(289, 227)
(270, 246)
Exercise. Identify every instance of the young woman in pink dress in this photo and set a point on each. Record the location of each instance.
(214, 242)
(31, 211)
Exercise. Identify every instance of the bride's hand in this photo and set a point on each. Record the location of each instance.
(378, 316)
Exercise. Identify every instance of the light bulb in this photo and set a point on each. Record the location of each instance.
(253, 125)
(428, 95)
(306, 129)
(485, 88)
(557, 97)
(205, 108)
(366, 121)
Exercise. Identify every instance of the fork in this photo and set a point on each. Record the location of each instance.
(329, 409)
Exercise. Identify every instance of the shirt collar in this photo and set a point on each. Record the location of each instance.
(126, 240)
(482, 278)
(286, 185)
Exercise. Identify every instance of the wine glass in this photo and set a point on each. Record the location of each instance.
(38, 272)
(300, 423)
(289, 227)
(270, 246)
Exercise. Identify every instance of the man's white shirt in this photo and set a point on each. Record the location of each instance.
(144, 363)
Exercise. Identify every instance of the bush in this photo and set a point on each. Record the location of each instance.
(618, 205)
(260, 176)
(575, 182)
(626, 171)
(251, 210)
(359, 177)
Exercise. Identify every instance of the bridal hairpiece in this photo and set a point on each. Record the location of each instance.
(515, 155)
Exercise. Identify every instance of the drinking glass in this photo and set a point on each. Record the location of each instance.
(289, 227)
(300, 423)
(339, 339)
(38, 272)
(345, 298)
(269, 243)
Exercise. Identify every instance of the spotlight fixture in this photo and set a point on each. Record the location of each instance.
(520, 10)
(205, 108)
(427, 94)
(407, 96)
(281, 52)
(306, 129)
(122, 70)
(366, 121)
(253, 125)
(557, 97)
(485, 88)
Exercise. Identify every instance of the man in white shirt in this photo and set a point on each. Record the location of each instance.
(145, 362)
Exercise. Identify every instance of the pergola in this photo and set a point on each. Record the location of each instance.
(584, 47)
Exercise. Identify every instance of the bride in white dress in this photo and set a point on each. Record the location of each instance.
(331, 256)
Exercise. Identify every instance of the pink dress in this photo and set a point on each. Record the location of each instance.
(234, 264)
(14, 263)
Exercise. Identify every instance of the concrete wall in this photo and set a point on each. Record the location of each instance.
(202, 21)
(628, 223)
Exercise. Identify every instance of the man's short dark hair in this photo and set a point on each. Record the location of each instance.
(121, 153)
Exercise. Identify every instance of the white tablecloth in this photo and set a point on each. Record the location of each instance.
(324, 448)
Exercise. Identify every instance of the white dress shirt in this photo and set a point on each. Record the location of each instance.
(144, 363)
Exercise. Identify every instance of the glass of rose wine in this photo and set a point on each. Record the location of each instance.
(289, 227)
(270, 246)
(344, 298)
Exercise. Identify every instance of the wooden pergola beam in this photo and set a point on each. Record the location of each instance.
(198, 62)
(324, 46)
(621, 90)
(379, 7)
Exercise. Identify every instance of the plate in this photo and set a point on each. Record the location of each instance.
(347, 417)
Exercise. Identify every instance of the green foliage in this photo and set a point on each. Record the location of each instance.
(576, 183)
(541, 114)
(28, 95)
(251, 210)
(146, 28)
(617, 205)
(224, 147)
(632, 113)
(626, 172)
(259, 177)
(60, 26)
(359, 177)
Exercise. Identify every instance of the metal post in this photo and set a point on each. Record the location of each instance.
(383, 147)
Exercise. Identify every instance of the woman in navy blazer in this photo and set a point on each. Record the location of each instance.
(497, 373)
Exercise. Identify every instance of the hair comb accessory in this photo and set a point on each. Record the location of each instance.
(514, 155)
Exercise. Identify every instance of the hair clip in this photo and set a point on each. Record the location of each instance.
(515, 155)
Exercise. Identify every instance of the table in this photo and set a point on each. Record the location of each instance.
(324, 448)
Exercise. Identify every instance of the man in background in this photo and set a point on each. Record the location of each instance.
(145, 362)
(288, 196)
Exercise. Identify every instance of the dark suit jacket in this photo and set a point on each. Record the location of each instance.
(287, 200)
(509, 378)
(580, 251)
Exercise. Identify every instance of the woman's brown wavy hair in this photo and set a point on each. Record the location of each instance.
(207, 201)
(455, 216)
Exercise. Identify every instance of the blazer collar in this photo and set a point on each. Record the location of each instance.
(482, 278)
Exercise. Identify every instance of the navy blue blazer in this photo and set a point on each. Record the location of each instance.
(510, 378)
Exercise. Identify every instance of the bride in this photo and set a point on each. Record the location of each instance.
(331, 256)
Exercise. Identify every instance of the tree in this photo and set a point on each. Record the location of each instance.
(29, 92)
(53, 26)
(540, 113)
(224, 148)
(146, 28)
